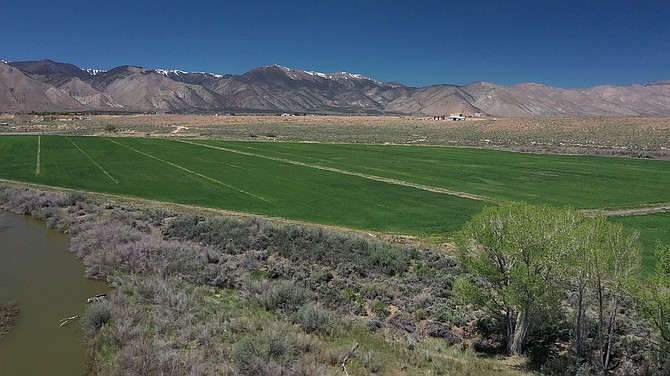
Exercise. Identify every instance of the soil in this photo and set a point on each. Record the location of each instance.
(660, 208)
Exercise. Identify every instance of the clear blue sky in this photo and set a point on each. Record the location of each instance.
(567, 43)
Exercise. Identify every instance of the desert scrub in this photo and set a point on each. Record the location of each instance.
(271, 353)
(292, 242)
(9, 312)
(315, 319)
(97, 315)
(283, 296)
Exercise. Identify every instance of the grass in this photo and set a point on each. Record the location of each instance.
(284, 180)
(578, 181)
(652, 228)
(178, 172)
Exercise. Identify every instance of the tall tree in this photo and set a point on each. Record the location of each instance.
(653, 302)
(613, 258)
(517, 250)
(603, 257)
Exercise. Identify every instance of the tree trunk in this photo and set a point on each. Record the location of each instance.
(601, 320)
(579, 321)
(607, 351)
(510, 329)
(520, 333)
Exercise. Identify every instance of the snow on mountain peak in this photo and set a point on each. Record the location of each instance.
(210, 74)
(332, 76)
(177, 72)
(281, 67)
(94, 72)
(347, 75)
(166, 72)
(319, 74)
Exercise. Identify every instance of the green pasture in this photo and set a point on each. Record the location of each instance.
(173, 171)
(190, 172)
(652, 227)
(577, 181)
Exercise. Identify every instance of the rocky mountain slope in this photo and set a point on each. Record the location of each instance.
(50, 86)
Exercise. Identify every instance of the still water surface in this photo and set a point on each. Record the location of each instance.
(47, 281)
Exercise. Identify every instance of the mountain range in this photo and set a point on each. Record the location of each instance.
(52, 86)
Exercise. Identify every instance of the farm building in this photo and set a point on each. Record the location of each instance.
(439, 117)
(456, 117)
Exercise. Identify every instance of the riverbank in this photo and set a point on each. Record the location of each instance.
(9, 312)
(203, 294)
(216, 295)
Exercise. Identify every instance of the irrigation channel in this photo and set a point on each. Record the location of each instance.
(38, 272)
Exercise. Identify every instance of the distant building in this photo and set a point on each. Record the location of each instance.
(4, 124)
(456, 117)
(477, 114)
(439, 117)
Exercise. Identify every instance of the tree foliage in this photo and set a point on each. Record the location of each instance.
(603, 257)
(653, 301)
(516, 250)
(528, 260)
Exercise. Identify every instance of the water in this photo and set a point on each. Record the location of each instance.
(38, 272)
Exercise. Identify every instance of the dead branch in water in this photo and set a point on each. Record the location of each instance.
(97, 298)
(68, 319)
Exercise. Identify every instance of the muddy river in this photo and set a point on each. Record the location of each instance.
(47, 282)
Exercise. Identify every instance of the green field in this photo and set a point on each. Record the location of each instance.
(178, 172)
(288, 180)
(578, 181)
(652, 228)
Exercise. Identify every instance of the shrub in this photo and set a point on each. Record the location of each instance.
(315, 319)
(227, 234)
(280, 345)
(379, 308)
(125, 330)
(284, 296)
(306, 367)
(113, 246)
(265, 355)
(372, 361)
(21, 201)
(73, 198)
(97, 315)
(389, 260)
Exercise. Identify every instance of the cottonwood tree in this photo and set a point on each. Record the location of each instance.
(653, 302)
(579, 260)
(517, 251)
(604, 258)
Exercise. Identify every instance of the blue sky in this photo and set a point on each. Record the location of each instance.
(568, 43)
